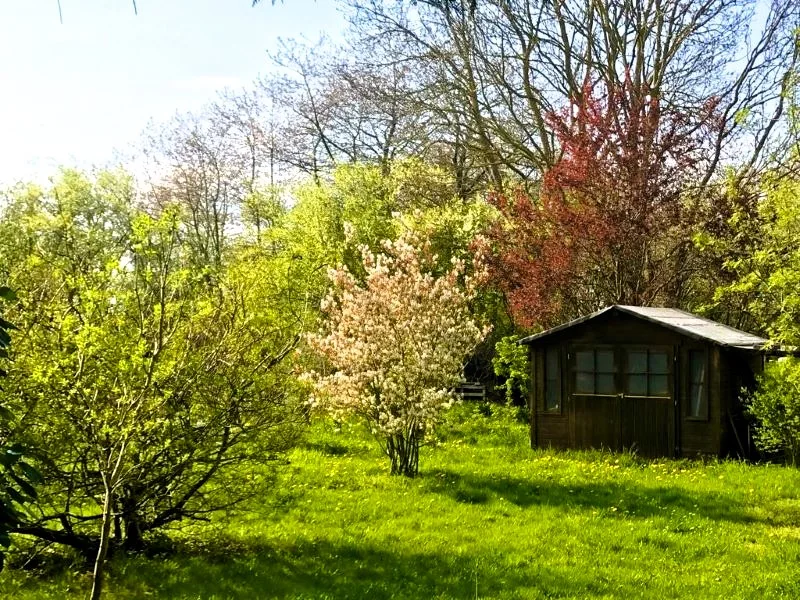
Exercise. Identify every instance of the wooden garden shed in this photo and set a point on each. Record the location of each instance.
(660, 381)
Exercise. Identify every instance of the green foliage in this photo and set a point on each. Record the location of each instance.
(776, 406)
(365, 205)
(485, 510)
(7, 295)
(511, 362)
(159, 353)
(763, 260)
(17, 476)
(451, 226)
(315, 234)
(155, 375)
(261, 211)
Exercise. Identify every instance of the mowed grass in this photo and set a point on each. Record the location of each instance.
(486, 518)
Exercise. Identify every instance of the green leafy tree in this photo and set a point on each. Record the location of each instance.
(364, 204)
(764, 295)
(147, 383)
(763, 263)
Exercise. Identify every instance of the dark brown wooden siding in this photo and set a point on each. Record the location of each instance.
(551, 428)
(699, 436)
(652, 426)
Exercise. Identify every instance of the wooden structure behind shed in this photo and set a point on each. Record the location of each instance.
(660, 381)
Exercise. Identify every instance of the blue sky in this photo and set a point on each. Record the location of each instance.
(72, 93)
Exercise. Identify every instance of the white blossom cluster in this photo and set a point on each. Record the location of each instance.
(396, 343)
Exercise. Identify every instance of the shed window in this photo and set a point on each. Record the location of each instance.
(552, 380)
(698, 398)
(594, 372)
(647, 373)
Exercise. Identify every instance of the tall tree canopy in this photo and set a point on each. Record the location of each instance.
(614, 218)
(506, 65)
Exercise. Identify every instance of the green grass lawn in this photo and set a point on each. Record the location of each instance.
(486, 518)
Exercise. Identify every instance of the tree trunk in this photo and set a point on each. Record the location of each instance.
(134, 541)
(110, 483)
(102, 550)
(403, 450)
(84, 544)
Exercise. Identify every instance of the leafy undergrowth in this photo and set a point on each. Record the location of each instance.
(487, 518)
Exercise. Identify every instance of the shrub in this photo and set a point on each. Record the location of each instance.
(776, 406)
(511, 363)
(396, 345)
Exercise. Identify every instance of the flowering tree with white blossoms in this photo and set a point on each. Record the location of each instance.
(397, 343)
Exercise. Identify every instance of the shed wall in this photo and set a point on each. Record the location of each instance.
(598, 425)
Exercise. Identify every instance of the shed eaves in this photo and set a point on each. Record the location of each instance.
(677, 320)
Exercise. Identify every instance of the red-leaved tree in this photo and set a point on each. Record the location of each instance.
(613, 220)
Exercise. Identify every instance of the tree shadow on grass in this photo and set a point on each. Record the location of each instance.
(329, 448)
(621, 500)
(328, 570)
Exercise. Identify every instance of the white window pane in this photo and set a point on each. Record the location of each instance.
(697, 366)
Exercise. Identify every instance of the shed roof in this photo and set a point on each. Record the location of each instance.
(677, 320)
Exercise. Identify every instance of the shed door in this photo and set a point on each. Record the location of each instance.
(594, 411)
(622, 398)
(647, 416)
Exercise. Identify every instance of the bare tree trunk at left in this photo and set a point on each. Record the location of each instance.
(102, 550)
(111, 480)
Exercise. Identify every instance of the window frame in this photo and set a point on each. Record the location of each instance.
(542, 408)
(687, 385)
(670, 374)
(573, 370)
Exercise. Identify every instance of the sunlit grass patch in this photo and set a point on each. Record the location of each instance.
(488, 517)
